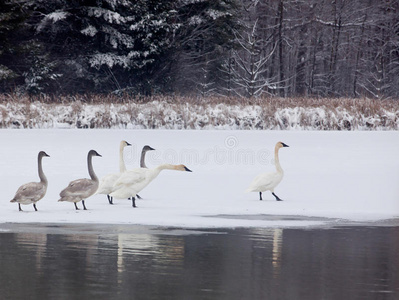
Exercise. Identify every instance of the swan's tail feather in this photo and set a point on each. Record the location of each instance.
(13, 200)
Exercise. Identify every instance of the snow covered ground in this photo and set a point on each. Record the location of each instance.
(345, 175)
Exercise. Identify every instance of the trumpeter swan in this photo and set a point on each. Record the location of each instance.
(133, 181)
(145, 149)
(107, 182)
(81, 189)
(268, 181)
(32, 192)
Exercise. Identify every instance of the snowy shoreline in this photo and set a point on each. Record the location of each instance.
(164, 115)
(302, 222)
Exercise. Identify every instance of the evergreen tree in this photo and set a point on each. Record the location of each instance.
(18, 50)
(104, 45)
(203, 38)
(11, 17)
(200, 47)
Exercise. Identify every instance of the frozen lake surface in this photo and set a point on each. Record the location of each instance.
(199, 235)
(328, 175)
(81, 261)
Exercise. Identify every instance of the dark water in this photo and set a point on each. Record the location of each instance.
(122, 262)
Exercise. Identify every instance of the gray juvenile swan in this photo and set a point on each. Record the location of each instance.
(81, 189)
(32, 192)
(146, 148)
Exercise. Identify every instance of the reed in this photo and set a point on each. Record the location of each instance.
(178, 112)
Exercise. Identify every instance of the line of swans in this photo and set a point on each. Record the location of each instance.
(107, 182)
(123, 185)
(127, 183)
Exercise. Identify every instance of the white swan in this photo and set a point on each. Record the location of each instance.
(133, 181)
(268, 181)
(32, 192)
(107, 182)
(81, 189)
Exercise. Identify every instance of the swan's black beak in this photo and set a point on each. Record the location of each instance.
(187, 169)
(151, 148)
(45, 154)
(97, 154)
(128, 144)
(284, 145)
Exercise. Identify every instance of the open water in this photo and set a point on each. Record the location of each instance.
(137, 262)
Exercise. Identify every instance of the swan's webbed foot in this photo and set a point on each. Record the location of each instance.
(260, 196)
(110, 199)
(34, 206)
(19, 207)
(76, 207)
(138, 196)
(84, 206)
(277, 198)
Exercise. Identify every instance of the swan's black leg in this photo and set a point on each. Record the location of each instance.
(260, 196)
(277, 198)
(34, 206)
(138, 197)
(133, 202)
(110, 199)
(19, 207)
(76, 206)
(84, 206)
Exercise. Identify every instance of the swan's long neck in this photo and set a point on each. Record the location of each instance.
(155, 171)
(166, 167)
(142, 159)
(42, 177)
(122, 166)
(93, 175)
(277, 161)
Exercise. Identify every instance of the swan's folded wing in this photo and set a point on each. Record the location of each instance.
(30, 190)
(261, 182)
(107, 182)
(110, 178)
(135, 176)
(77, 186)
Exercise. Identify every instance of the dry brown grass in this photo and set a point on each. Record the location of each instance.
(364, 104)
(107, 111)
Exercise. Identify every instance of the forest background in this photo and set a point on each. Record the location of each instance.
(230, 48)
